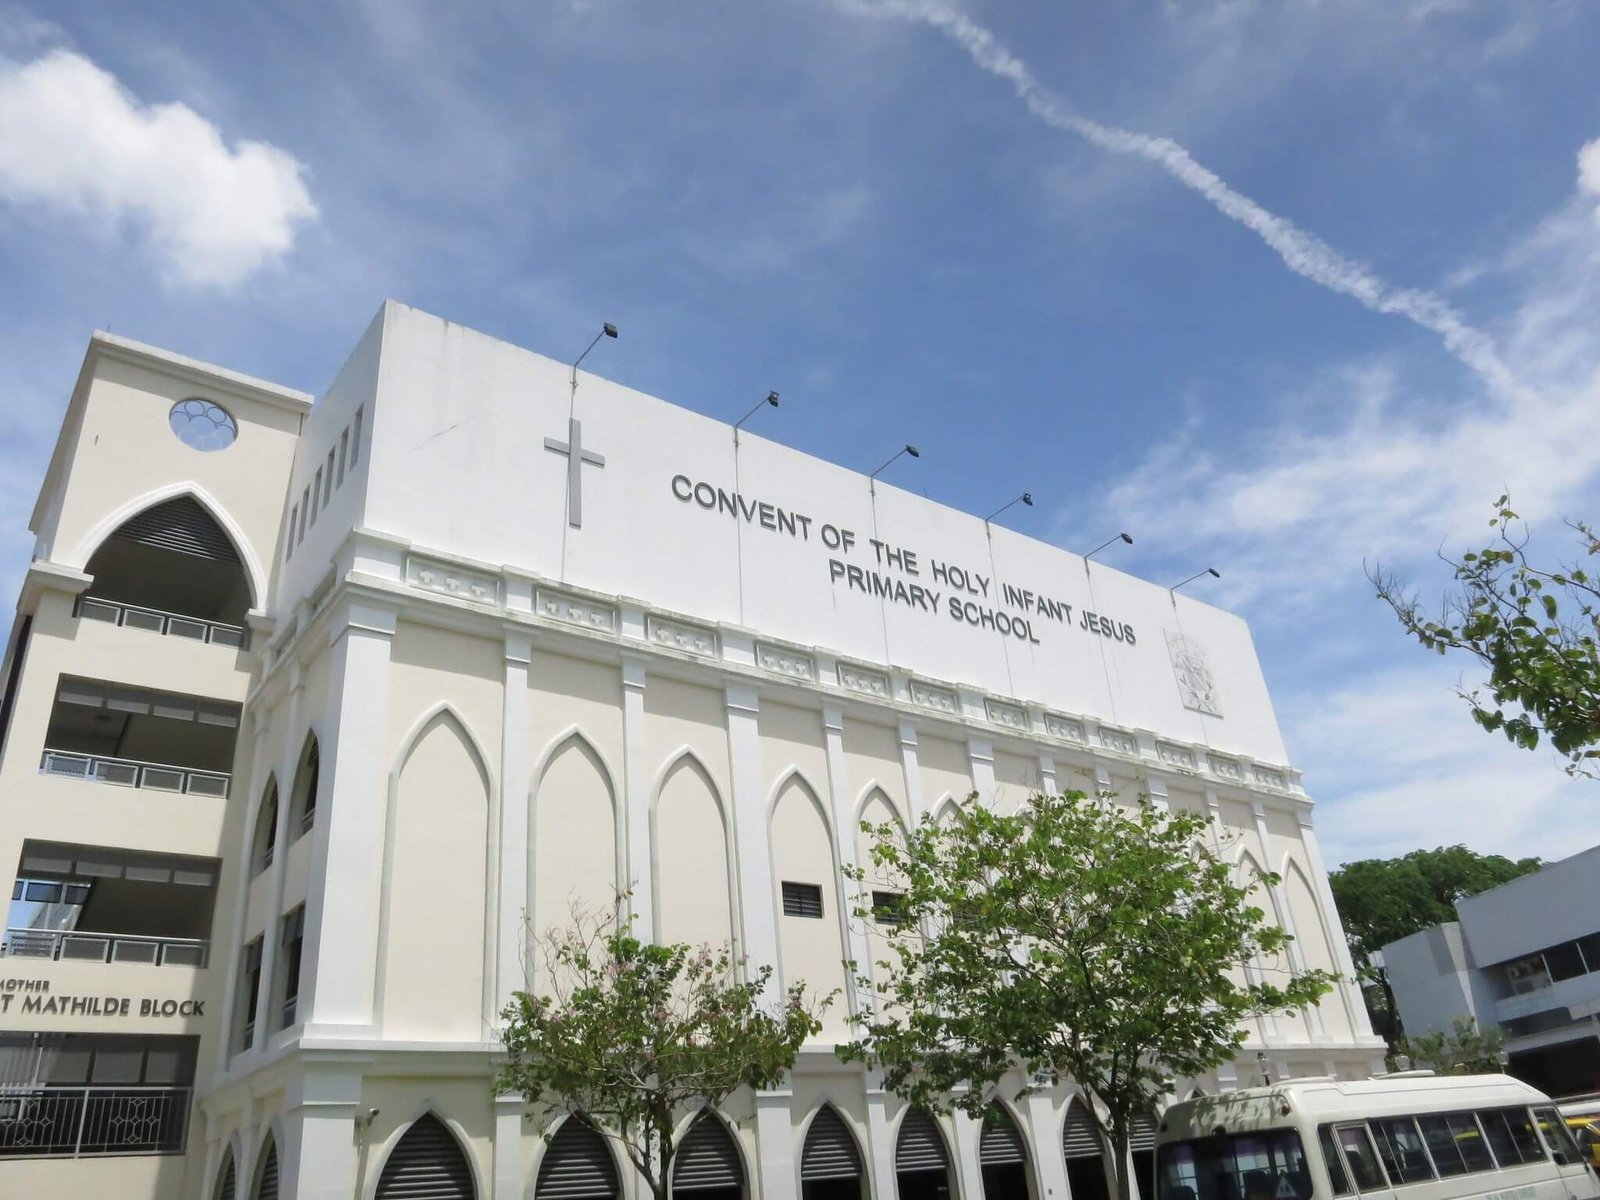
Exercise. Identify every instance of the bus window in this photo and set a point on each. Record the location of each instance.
(1511, 1136)
(1269, 1165)
(1469, 1140)
(1558, 1137)
(1330, 1156)
(1358, 1152)
(1442, 1145)
(1401, 1147)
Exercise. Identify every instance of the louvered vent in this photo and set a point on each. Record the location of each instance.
(181, 525)
(919, 1148)
(802, 899)
(577, 1165)
(830, 1151)
(1081, 1139)
(707, 1158)
(426, 1164)
(1000, 1142)
(228, 1184)
(1142, 1133)
(267, 1177)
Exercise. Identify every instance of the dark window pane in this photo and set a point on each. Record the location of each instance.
(1330, 1158)
(1363, 1160)
(44, 893)
(889, 908)
(1400, 1145)
(1557, 1136)
(1469, 1140)
(1590, 946)
(1447, 1159)
(1564, 961)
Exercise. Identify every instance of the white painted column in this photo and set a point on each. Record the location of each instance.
(341, 943)
(638, 872)
(511, 911)
(779, 1179)
(507, 1147)
(1047, 774)
(319, 1159)
(846, 892)
(260, 761)
(1355, 1008)
(969, 1173)
(291, 737)
(1155, 788)
(980, 754)
(910, 766)
(1046, 1148)
(758, 917)
(880, 1146)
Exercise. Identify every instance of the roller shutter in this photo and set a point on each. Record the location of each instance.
(267, 1177)
(577, 1166)
(1142, 1133)
(707, 1158)
(830, 1151)
(1081, 1139)
(919, 1148)
(181, 525)
(426, 1164)
(1000, 1142)
(228, 1184)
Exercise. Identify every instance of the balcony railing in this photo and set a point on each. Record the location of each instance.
(77, 1121)
(130, 772)
(69, 945)
(134, 616)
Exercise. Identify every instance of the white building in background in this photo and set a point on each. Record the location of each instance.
(308, 705)
(1524, 958)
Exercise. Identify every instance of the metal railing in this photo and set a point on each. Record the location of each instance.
(73, 945)
(130, 772)
(155, 620)
(78, 1121)
(287, 1013)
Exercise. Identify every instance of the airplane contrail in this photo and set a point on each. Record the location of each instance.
(1303, 253)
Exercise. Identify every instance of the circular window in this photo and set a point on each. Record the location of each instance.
(202, 425)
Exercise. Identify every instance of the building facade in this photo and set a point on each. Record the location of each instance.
(1523, 958)
(314, 711)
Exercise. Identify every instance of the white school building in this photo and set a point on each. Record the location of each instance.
(309, 705)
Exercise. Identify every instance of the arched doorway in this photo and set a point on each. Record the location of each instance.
(266, 1187)
(1085, 1155)
(171, 569)
(1002, 1157)
(577, 1166)
(1142, 1149)
(921, 1162)
(427, 1163)
(708, 1165)
(830, 1164)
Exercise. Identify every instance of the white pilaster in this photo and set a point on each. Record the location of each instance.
(779, 1180)
(1047, 773)
(511, 914)
(969, 1173)
(910, 766)
(758, 918)
(346, 856)
(980, 754)
(1155, 787)
(846, 893)
(880, 1146)
(1312, 1015)
(260, 763)
(319, 1158)
(1355, 1008)
(508, 1147)
(1046, 1148)
(291, 737)
(637, 869)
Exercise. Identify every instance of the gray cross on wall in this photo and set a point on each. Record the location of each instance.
(576, 457)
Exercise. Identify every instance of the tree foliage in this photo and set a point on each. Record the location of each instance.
(1535, 628)
(1382, 900)
(1077, 938)
(1463, 1050)
(629, 1036)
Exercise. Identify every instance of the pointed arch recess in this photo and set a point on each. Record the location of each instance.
(254, 574)
(571, 738)
(920, 1144)
(708, 1157)
(440, 716)
(577, 1164)
(265, 1184)
(429, 1160)
(830, 1149)
(678, 871)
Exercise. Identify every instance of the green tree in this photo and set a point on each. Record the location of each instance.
(1382, 900)
(1536, 629)
(1464, 1050)
(1077, 938)
(629, 1036)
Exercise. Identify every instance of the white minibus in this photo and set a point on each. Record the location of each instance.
(1407, 1136)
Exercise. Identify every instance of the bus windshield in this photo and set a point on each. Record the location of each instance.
(1268, 1165)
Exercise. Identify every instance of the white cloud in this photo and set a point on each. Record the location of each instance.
(1589, 171)
(74, 142)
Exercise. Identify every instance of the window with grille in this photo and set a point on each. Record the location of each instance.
(802, 899)
(889, 908)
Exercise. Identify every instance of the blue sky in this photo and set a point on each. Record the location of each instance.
(852, 203)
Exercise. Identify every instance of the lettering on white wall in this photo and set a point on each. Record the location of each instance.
(894, 574)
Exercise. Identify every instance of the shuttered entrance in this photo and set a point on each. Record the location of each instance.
(830, 1151)
(577, 1166)
(1080, 1143)
(267, 1176)
(426, 1164)
(227, 1182)
(1001, 1143)
(180, 525)
(919, 1147)
(1142, 1149)
(707, 1160)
